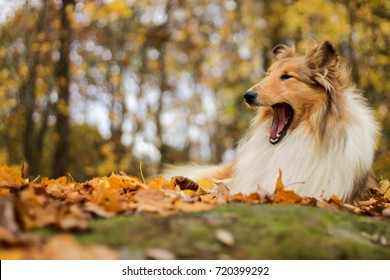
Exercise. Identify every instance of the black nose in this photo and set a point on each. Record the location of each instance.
(250, 97)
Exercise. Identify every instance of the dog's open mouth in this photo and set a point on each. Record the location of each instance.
(283, 116)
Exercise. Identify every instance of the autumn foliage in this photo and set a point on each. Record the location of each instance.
(70, 206)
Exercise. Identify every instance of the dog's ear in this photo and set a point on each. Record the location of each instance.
(321, 56)
(283, 51)
(324, 64)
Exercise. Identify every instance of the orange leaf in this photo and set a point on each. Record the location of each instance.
(105, 195)
(285, 196)
(10, 176)
(244, 198)
(125, 182)
(161, 183)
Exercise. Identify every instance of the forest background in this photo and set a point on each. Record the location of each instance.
(92, 87)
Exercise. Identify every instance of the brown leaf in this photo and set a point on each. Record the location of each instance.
(148, 195)
(186, 183)
(160, 254)
(196, 206)
(334, 204)
(369, 202)
(64, 247)
(7, 215)
(225, 237)
(70, 222)
(244, 198)
(153, 201)
(386, 212)
(7, 236)
(97, 210)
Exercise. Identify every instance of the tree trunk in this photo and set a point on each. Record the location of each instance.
(61, 154)
(27, 96)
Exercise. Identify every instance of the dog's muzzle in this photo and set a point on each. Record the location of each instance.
(251, 98)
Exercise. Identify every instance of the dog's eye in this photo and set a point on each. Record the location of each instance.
(285, 76)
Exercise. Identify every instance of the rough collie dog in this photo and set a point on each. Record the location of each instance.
(311, 123)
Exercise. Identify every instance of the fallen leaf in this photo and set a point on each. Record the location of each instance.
(11, 176)
(160, 254)
(281, 195)
(64, 247)
(244, 198)
(7, 236)
(386, 212)
(97, 210)
(125, 182)
(384, 187)
(7, 215)
(161, 183)
(67, 206)
(105, 195)
(225, 237)
(196, 206)
(149, 196)
(185, 183)
(207, 186)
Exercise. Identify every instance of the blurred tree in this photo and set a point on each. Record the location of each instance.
(95, 86)
(63, 76)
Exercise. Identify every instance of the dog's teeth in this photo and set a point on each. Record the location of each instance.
(268, 134)
(278, 135)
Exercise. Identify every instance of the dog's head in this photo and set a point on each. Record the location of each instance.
(295, 86)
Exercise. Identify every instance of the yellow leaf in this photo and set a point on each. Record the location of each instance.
(10, 176)
(384, 186)
(207, 185)
(106, 196)
(46, 181)
(12, 254)
(125, 182)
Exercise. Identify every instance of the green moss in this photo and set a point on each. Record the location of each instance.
(260, 232)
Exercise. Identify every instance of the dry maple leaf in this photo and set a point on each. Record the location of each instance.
(384, 187)
(125, 182)
(207, 186)
(60, 247)
(11, 177)
(281, 195)
(105, 195)
(244, 198)
(196, 206)
(161, 183)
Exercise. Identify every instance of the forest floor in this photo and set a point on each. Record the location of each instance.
(241, 231)
(122, 217)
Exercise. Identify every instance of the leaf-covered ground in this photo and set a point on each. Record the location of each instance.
(123, 217)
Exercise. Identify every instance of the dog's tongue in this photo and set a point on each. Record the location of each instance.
(280, 120)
